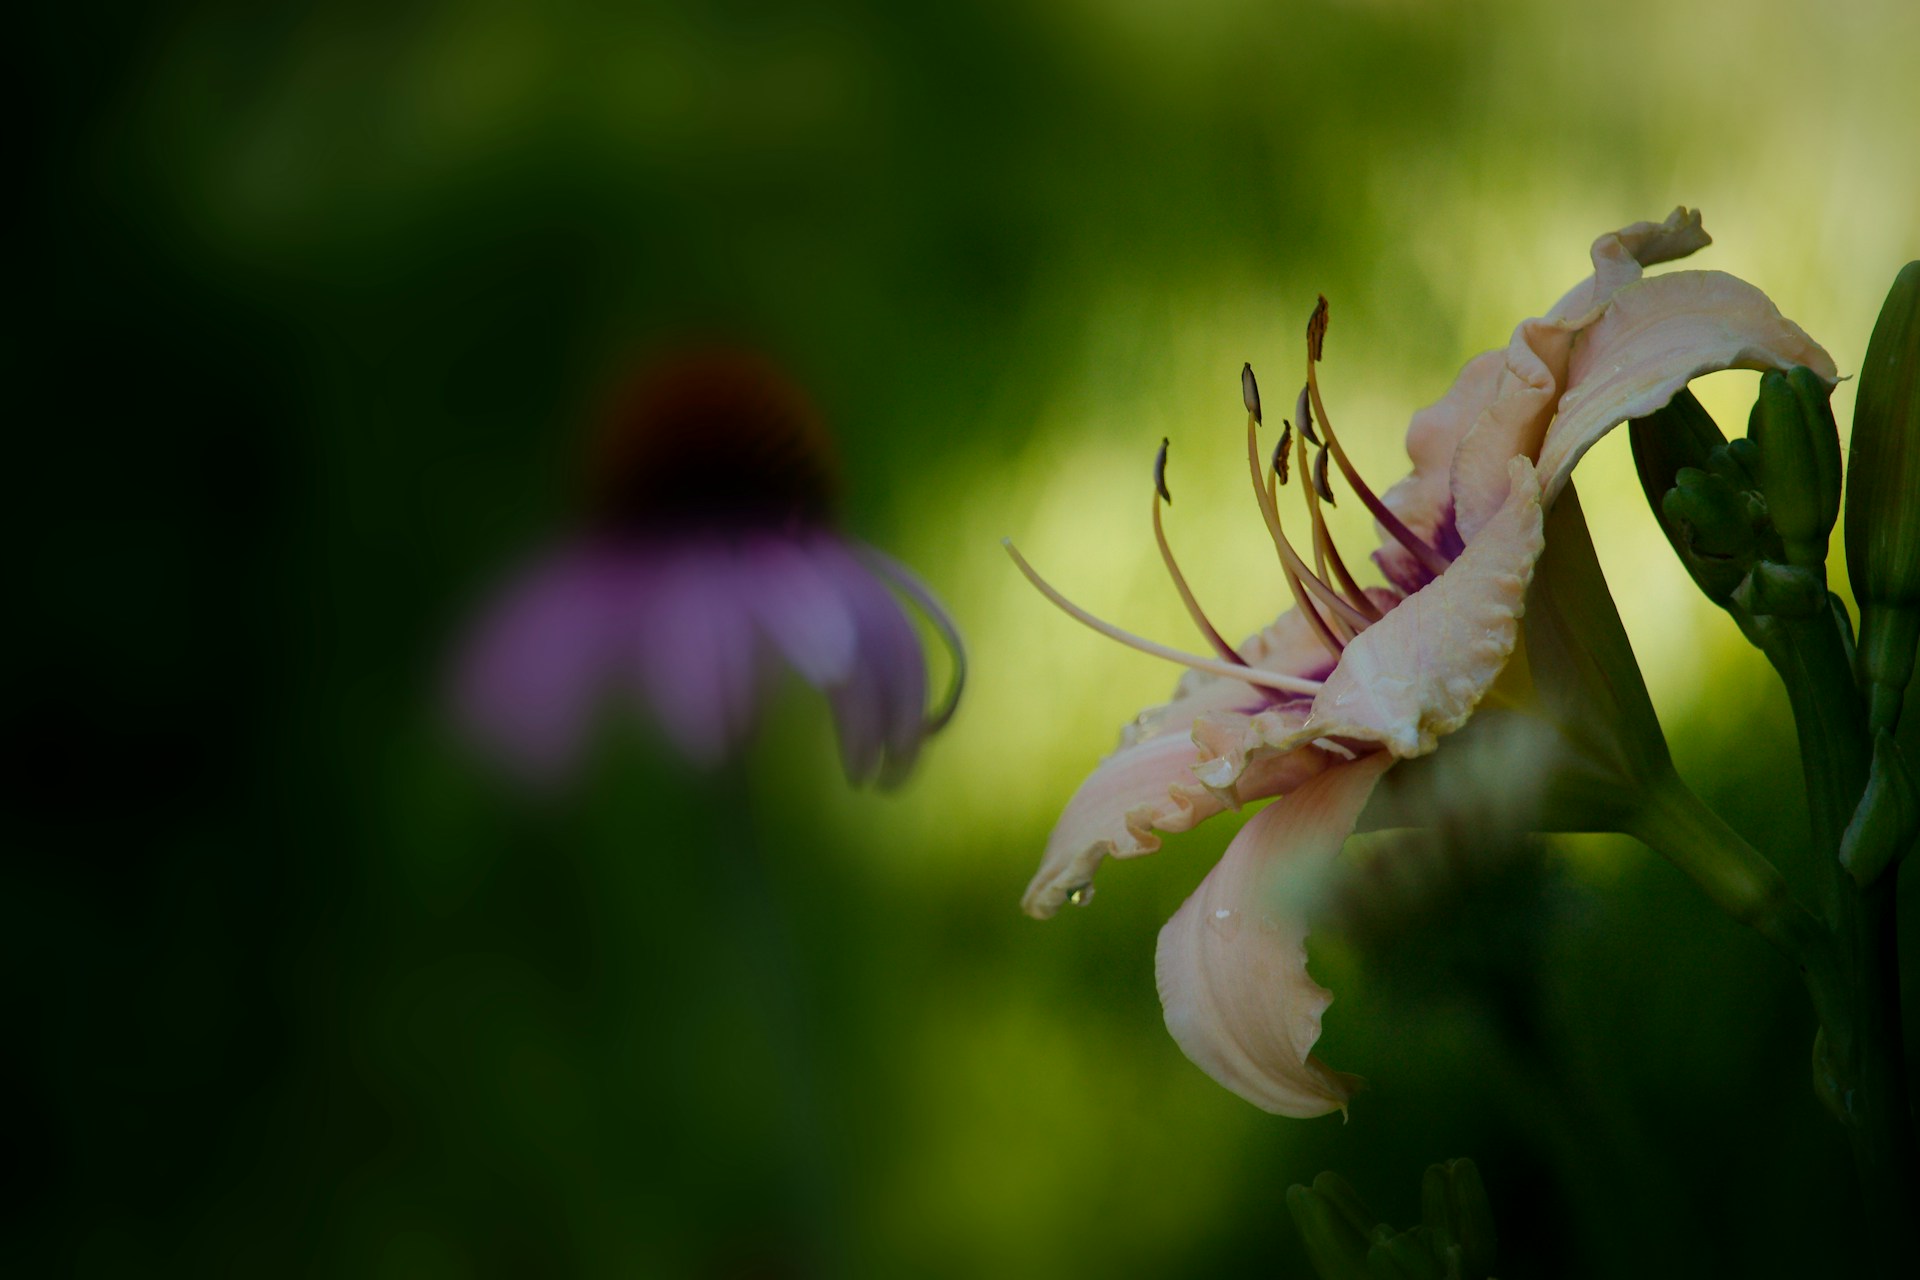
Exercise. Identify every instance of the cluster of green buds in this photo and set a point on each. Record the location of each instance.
(1750, 520)
(1345, 1241)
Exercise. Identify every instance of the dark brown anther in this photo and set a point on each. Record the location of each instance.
(1160, 474)
(1320, 482)
(1303, 412)
(1250, 391)
(1317, 329)
(1280, 459)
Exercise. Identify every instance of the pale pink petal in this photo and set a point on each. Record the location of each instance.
(1232, 962)
(800, 609)
(1238, 750)
(1145, 787)
(1525, 396)
(1656, 336)
(528, 676)
(1619, 255)
(1513, 424)
(1221, 725)
(1115, 812)
(1424, 499)
(1418, 673)
(1287, 646)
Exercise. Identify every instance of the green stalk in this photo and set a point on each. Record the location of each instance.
(1855, 990)
(1678, 825)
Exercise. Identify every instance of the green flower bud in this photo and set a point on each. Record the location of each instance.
(1333, 1225)
(1716, 529)
(1883, 515)
(1454, 1210)
(1691, 476)
(1339, 1193)
(1739, 461)
(1406, 1256)
(1454, 1240)
(1796, 448)
(1679, 434)
(1782, 591)
(1887, 822)
(1436, 1205)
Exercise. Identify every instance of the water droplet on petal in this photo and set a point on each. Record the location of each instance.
(1080, 895)
(1224, 922)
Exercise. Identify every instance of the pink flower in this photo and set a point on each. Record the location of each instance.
(709, 550)
(1317, 707)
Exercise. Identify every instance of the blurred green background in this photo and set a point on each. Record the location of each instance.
(317, 299)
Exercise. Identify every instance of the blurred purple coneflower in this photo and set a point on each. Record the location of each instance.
(709, 547)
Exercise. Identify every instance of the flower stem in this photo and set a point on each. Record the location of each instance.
(1857, 1001)
(1678, 825)
(1851, 974)
(1856, 995)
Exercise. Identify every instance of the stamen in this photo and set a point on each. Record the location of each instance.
(1265, 498)
(1431, 560)
(1347, 621)
(1273, 496)
(1333, 634)
(1304, 412)
(1326, 554)
(1279, 467)
(1250, 391)
(1313, 512)
(1245, 674)
(1320, 485)
(1194, 611)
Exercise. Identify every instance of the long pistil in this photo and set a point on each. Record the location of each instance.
(1431, 560)
(1194, 611)
(1244, 673)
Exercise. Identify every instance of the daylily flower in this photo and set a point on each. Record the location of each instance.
(1318, 706)
(709, 547)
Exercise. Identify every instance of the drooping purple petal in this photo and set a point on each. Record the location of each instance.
(909, 584)
(527, 679)
(695, 653)
(800, 609)
(881, 709)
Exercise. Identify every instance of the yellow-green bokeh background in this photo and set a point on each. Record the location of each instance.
(319, 297)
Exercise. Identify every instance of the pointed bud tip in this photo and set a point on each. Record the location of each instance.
(1792, 452)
